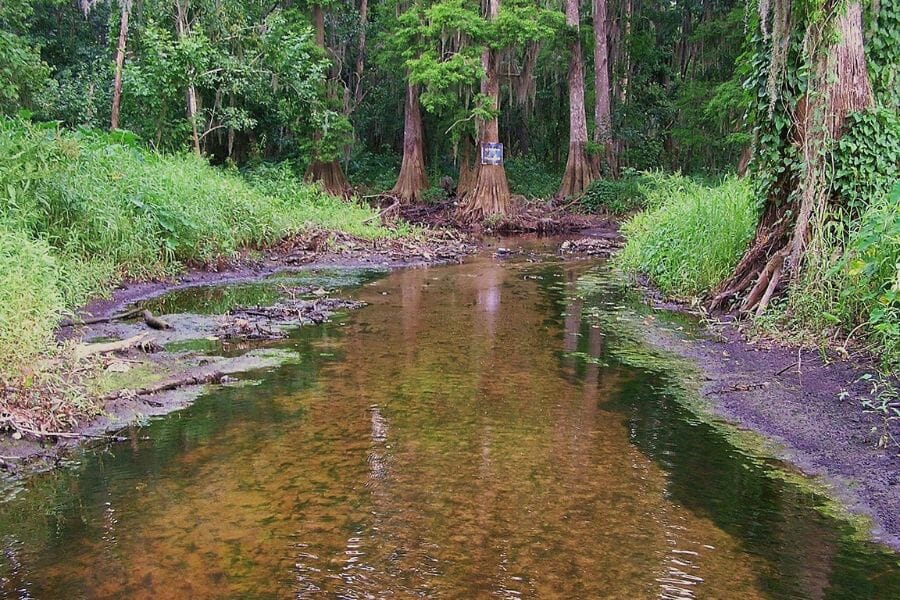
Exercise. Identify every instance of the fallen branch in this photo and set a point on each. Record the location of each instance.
(195, 377)
(154, 322)
(83, 351)
(95, 320)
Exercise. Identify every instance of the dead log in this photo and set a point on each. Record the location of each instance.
(198, 376)
(83, 351)
(95, 320)
(154, 322)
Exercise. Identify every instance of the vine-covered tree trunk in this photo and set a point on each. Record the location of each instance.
(125, 7)
(838, 85)
(603, 136)
(490, 193)
(412, 180)
(580, 170)
(328, 173)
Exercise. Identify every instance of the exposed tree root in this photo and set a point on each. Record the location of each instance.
(489, 196)
(580, 172)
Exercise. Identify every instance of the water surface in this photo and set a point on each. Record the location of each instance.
(487, 430)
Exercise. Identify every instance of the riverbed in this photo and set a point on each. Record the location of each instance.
(493, 429)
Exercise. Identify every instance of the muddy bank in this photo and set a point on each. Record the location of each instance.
(314, 251)
(811, 409)
(168, 363)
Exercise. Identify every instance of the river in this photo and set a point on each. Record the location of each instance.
(487, 430)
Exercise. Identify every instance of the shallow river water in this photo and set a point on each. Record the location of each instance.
(485, 430)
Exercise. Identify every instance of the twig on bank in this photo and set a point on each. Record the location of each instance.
(95, 320)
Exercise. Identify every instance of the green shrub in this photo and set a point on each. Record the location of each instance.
(30, 300)
(532, 178)
(374, 172)
(692, 236)
(850, 286)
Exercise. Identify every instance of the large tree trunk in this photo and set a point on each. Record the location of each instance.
(580, 170)
(838, 85)
(328, 173)
(603, 108)
(125, 7)
(490, 193)
(412, 180)
(182, 26)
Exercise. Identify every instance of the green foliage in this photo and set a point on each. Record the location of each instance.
(853, 289)
(29, 297)
(532, 178)
(24, 77)
(617, 196)
(304, 206)
(83, 210)
(867, 157)
(883, 52)
(375, 172)
(692, 236)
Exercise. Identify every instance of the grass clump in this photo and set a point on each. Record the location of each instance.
(82, 211)
(691, 236)
(30, 296)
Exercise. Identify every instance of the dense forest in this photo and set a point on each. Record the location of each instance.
(124, 121)
(363, 83)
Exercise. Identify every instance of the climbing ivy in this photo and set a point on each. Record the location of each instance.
(867, 156)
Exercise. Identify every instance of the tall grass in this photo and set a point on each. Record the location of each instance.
(81, 211)
(691, 236)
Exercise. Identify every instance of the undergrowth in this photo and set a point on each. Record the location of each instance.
(850, 289)
(691, 236)
(81, 211)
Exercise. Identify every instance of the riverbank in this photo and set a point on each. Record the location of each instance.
(122, 369)
(810, 409)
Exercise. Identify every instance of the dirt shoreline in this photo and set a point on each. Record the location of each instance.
(810, 409)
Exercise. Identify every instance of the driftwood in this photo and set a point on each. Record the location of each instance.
(83, 351)
(198, 376)
(151, 321)
(154, 322)
(95, 320)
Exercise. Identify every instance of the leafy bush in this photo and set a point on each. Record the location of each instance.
(852, 287)
(871, 264)
(692, 236)
(532, 178)
(615, 196)
(374, 172)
